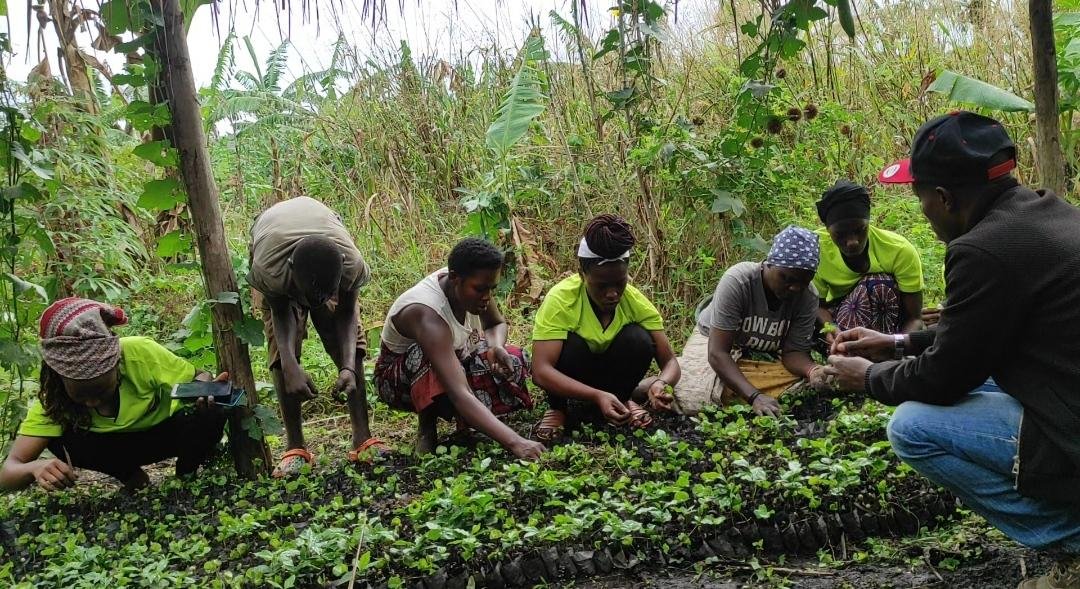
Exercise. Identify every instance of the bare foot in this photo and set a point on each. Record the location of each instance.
(426, 433)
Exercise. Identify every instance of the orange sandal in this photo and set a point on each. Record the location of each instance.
(550, 426)
(285, 466)
(639, 416)
(365, 454)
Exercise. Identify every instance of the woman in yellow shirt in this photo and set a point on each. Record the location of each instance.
(595, 337)
(105, 405)
(868, 277)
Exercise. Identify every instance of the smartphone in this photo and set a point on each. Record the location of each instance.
(197, 389)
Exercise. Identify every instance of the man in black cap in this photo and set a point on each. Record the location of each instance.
(1009, 447)
(868, 276)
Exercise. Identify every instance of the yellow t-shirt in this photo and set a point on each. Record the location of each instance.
(566, 310)
(890, 253)
(148, 372)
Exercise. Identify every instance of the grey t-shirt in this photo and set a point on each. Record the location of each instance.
(739, 305)
(275, 234)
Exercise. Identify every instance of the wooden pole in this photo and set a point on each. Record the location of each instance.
(250, 456)
(1051, 162)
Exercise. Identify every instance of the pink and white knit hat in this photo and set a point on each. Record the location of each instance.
(76, 340)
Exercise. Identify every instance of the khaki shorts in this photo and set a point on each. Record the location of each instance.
(700, 386)
(273, 355)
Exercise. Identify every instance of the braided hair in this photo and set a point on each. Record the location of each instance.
(56, 403)
(609, 236)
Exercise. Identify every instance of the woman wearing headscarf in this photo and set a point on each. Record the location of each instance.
(753, 338)
(595, 338)
(868, 277)
(105, 404)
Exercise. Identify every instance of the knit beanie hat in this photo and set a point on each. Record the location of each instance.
(76, 340)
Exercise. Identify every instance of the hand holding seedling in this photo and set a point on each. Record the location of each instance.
(867, 343)
(661, 395)
(848, 374)
(526, 449)
(818, 379)
(766, 406)
(500, 361)
(830, 330)
(931, 315)
(54, 475)
(612, 408)
(345, 385)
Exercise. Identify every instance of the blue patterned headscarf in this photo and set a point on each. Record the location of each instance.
(795, 247)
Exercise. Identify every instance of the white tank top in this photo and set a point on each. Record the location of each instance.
(427, 292)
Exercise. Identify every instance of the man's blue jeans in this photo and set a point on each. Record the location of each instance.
(969, 448)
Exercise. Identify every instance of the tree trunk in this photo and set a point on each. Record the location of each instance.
(250, 456)
(1051, 162)
(74, 65)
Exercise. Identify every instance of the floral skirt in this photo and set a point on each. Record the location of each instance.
(873, 303)
(407, 382)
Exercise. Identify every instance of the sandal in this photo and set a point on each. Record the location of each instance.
(371, 449)
(550, 426)
(292, 461)
(640, 417)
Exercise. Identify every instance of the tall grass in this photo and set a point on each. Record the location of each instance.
(389, 153)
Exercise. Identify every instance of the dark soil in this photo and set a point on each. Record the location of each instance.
(1000, 569)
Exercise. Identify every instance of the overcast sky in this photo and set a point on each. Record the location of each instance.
(431, 27)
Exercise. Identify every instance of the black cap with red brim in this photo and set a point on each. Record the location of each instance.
(957, 149)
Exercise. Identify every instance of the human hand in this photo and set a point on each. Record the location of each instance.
(931, 316)
(613, 410)
(765, 405)
(660, 395)
(298, 383)
(500, 361)
(527, 449)
(53, 475)
(208, 403)
(848, 373)
(866, 343)
(345, 386)
(817, 378)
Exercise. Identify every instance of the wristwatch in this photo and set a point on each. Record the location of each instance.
(898, 346)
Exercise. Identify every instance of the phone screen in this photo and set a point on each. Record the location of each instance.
(196, 389)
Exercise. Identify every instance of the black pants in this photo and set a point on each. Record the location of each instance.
(189, 437)
(618, 370)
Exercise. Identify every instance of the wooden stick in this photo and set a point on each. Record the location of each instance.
(356, 557)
